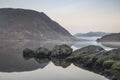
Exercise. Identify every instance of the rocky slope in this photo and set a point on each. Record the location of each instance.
(22, 24)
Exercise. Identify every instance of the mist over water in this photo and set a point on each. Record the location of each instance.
(92, 41)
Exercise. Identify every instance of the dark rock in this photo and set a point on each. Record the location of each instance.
(88, 50)
(98, 60)
(92, 58)
(61, 51)
(116, 66)
(42, 52)
(28, 53)
(85, 52)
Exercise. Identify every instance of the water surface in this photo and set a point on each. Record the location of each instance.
(14, 66)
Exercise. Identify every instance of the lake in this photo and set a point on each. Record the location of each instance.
(89, 41)
(14, 66)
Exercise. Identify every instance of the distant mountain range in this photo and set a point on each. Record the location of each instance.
(91, 34)
(23, 24)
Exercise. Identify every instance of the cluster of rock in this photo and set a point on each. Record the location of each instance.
(58, 51)
(57, 55)
(93, 58)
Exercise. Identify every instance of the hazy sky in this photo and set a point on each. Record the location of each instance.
(76, 15)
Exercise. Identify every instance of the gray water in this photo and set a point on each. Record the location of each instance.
(89, 41)
(13, 66)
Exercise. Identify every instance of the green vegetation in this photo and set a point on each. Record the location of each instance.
(108, 63)
(116, 66)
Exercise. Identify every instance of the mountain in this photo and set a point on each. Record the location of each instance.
(91, 34)
(114, 37)
(23, 24)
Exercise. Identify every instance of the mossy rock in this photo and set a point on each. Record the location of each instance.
(42, 52)
(116, 66)
(61, 51)
(82, 56)
(101, 60)
(108, 63)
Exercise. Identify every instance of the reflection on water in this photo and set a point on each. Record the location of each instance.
(92, 41)
(11, 57)
(111, 44)
(28, 68)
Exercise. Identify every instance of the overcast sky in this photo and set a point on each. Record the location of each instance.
(75, 15)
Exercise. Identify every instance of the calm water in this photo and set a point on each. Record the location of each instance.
(91, 41)
(13, 66)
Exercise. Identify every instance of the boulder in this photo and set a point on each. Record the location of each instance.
(28, 53)
(86, 52)
(42, 52)
(116, 66)
(61, 51)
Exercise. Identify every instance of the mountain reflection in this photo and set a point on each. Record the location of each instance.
(111, 44)
(13, 60)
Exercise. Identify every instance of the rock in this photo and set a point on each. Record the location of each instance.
(93, 58)
(96, 59)
(28, 53)
(116, 66)
(61, 51)
(108, 55)
(86, 52)
(42, 52)
(108, 63)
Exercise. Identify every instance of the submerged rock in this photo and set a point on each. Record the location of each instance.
(61, 51)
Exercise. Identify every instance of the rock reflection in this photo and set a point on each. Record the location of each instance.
(13, 60)
(56, 61)
(61, 62)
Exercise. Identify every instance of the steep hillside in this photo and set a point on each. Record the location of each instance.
(22, 24)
